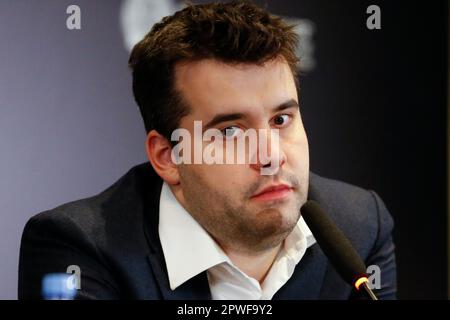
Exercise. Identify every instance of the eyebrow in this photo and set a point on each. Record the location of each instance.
(223, 117)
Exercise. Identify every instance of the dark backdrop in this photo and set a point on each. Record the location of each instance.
(375, 113)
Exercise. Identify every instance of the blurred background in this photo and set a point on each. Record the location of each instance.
(374, 104)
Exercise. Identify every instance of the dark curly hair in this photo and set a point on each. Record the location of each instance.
(233, 32)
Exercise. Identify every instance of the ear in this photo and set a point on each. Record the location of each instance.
(159, 152)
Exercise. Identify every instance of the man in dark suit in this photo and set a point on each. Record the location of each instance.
(188, 225)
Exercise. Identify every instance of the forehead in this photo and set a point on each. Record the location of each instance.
(210, 86)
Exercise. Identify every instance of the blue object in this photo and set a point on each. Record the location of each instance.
(57, 286)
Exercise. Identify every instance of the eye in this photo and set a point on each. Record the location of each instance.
(231, 132)
(282, 119)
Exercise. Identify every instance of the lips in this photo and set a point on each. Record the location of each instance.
(274, 192)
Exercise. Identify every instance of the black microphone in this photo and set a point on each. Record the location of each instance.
(336, 247)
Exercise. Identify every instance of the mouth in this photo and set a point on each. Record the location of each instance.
(274, 192)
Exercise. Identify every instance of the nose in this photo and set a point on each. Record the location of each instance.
(268, 157)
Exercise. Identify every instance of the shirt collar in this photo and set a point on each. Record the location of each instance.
(188, 249)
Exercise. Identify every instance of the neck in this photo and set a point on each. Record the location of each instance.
(255, 265)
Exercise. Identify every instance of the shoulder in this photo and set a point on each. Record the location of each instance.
(113, 213)
(358, 212)
(342, 196)
(103, 235)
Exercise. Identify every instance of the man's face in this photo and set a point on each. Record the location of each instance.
(223, 197)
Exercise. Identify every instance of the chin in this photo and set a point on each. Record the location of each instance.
(275, 223)
(289, 223)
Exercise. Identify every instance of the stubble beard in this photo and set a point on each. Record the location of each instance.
(247, 228)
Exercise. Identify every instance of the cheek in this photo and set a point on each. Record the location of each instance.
(296, 140)
(230, 177)
(295, 146)
(224, 178)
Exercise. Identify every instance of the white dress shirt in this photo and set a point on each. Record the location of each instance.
(189, 250)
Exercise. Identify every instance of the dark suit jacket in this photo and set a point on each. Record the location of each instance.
(113, 238)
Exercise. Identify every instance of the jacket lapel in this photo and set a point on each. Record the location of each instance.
(307, 279)
(195, 288)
